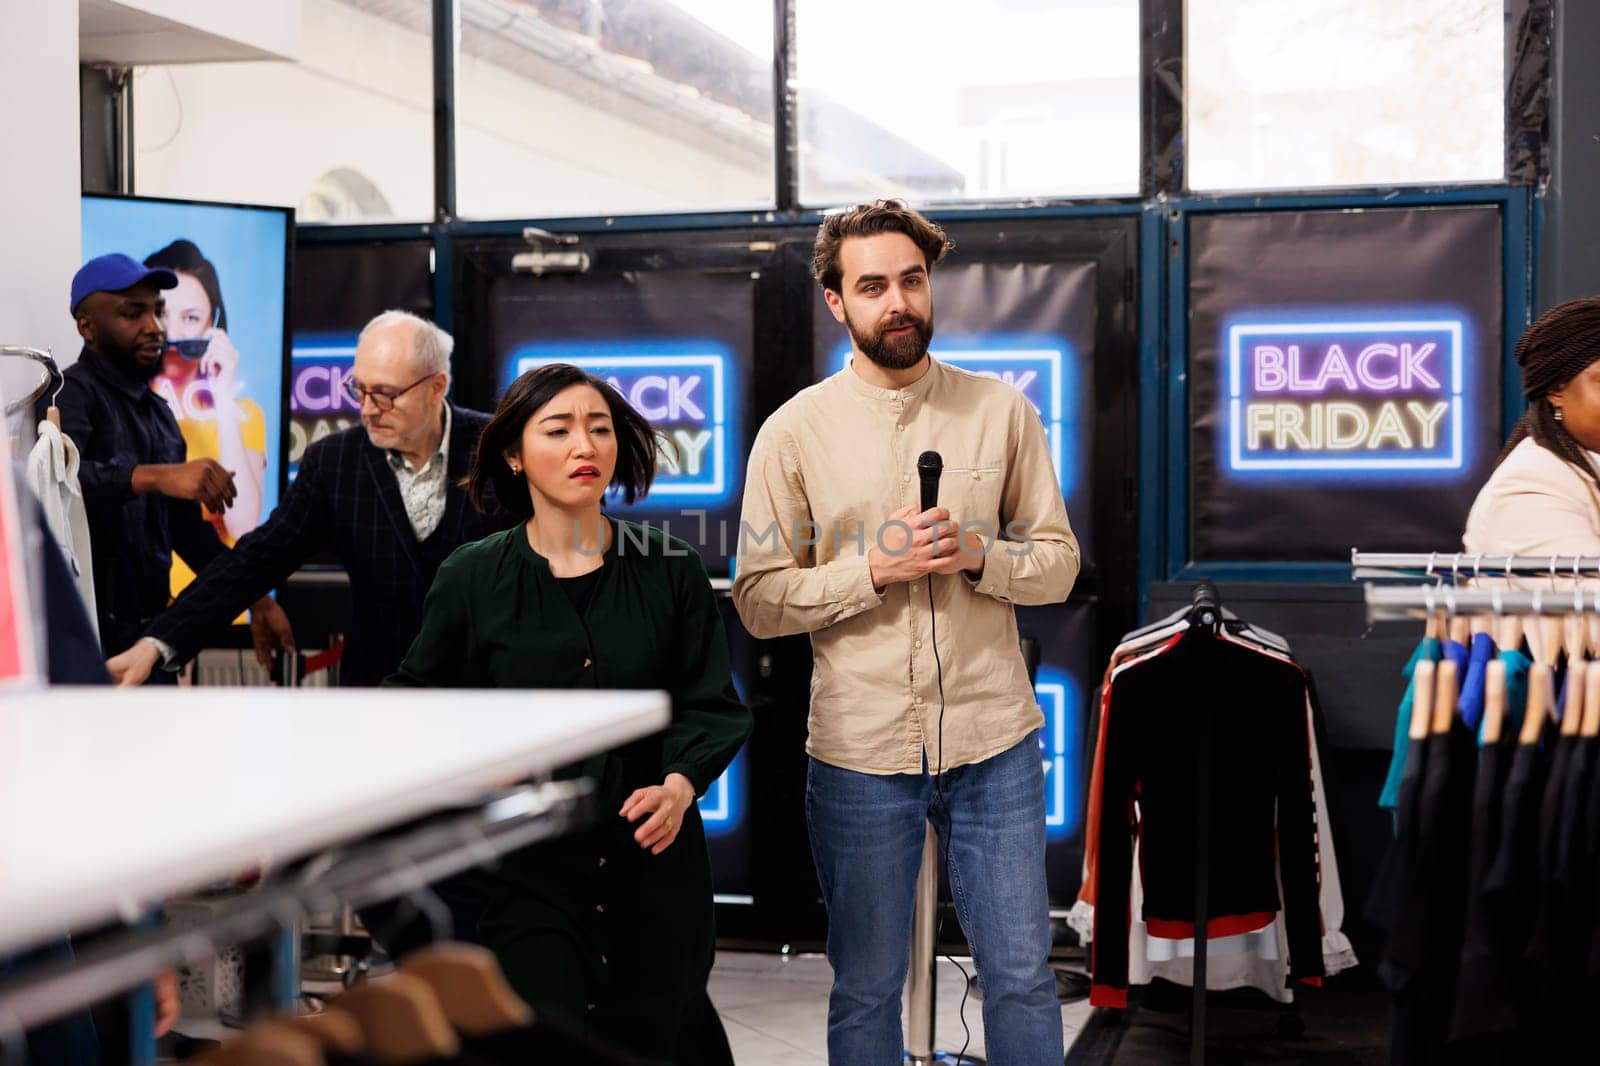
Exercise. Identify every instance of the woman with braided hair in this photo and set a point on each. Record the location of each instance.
(1544, 495)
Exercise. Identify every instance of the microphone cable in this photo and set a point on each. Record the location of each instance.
(938, 794)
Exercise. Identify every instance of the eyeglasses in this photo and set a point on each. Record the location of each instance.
(194, 347)
(382, 399)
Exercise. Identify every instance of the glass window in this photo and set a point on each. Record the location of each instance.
(345, 134)
(945, 100)
(1343, 92)
(589, 107)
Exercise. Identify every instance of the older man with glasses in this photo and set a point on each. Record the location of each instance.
(383, 498)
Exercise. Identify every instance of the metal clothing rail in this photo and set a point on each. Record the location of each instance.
(1469, 565)
(369, 873)
(1388, 603)
(53, 377)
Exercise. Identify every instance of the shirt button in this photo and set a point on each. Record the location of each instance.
(600, 908)
(905, 478)
(587, 663)
(919, 701)
(602, 860)
(917, 644)
(915, 586)
(899, 429)
(591, 1006)
(604, 961)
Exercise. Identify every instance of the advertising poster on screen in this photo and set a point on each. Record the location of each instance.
(1344, 385)
(223, 376)
(677, 346)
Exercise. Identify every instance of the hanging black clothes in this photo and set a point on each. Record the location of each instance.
(1424, 946)
(1478, 976)
(1538, 977)
(1500, 1004)
(1158, 715)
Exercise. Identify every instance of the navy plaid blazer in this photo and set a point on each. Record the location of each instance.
(345, 499)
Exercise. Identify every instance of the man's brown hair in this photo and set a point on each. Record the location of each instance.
(866, 220)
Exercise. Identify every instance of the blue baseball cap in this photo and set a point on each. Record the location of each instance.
(114, 273)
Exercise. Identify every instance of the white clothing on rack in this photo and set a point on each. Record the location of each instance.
(53, 477)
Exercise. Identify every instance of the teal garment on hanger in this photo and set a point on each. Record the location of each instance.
(1517, 663)
(1427, 651)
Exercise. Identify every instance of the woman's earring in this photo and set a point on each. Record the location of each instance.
(515, 469)
(1558, 415)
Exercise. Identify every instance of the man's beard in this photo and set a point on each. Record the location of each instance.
(893, 353)
(128, 362)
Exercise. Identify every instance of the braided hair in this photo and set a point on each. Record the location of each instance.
(1553, 351)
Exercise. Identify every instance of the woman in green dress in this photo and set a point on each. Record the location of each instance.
(611, 926)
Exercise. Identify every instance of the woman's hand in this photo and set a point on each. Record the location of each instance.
(219, 365)
(666, 804)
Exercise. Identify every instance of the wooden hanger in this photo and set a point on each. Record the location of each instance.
(1446, 695)
(333, 1029)
(1552, 632)
(471, 988)
(1541, 697)
(1460, 628)
(1422, 699)
(1494, 701)
(1576, 632)
(1541, 677)
(401, 1019)
(1508, 632)
(1434, 629)
(267, 1045)
(1591, 703)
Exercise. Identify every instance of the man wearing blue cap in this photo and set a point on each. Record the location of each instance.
(141, 493)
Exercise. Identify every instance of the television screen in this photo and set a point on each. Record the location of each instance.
(226, 334)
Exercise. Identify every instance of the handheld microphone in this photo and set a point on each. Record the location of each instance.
(929, 466)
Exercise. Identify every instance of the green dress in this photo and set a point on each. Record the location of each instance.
(593, 925)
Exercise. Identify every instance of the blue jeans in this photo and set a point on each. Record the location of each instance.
(867, 833)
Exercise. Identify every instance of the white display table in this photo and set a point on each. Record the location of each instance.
(112, 799)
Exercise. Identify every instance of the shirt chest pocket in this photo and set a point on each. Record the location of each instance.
(971, 492)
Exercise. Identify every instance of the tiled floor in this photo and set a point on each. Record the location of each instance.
(775, 1008)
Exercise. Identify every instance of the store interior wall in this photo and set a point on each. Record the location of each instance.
(1569, 263)
(39, 226)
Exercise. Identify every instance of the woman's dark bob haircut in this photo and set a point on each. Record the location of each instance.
(491, 484)
(184, 256)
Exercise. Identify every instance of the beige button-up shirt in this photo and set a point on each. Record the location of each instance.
(827, 470)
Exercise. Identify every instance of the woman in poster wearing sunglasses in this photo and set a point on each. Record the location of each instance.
(199, 381)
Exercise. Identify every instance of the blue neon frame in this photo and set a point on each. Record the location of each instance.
(1060, 699)
(630, 356)
(1164, 364)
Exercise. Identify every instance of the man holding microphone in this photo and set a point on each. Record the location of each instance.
(921, 705)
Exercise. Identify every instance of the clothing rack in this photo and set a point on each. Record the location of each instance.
(1469, 565)
(52, 382)
(1388, 603)
(370, 873)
